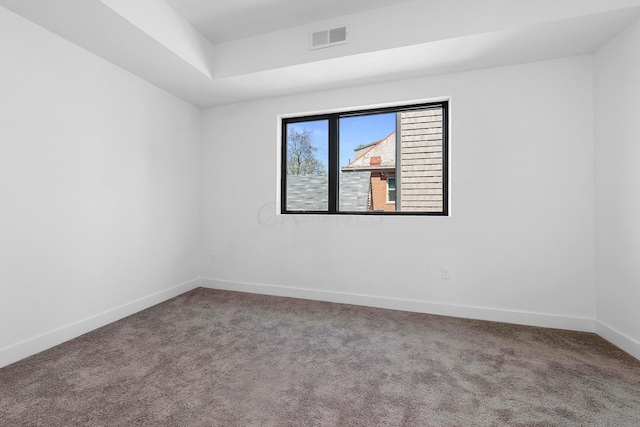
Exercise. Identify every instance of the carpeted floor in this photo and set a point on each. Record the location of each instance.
(215, 358)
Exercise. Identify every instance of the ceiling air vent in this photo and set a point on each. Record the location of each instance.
(327, 38)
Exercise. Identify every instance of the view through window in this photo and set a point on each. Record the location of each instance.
(391, 160)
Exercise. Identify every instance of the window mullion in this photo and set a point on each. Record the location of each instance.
(334, 167)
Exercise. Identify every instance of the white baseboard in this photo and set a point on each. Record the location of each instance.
(618, 339)
(50, 339)
(581, 324)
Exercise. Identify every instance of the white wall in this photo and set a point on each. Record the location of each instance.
(100, 198)
(617, 100)
(519, 242)
(99, 188)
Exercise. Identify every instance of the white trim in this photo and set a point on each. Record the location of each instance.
(42, 342)
(394, 104)
(573, 323)
(618, 339)
(374, 106)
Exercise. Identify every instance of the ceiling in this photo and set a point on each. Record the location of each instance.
(218, 52)
(222, 21)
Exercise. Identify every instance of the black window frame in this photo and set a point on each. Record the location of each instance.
(333, 120)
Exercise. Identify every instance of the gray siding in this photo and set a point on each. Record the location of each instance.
(310, 192)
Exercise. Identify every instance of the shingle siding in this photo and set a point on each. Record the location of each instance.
(421, 160)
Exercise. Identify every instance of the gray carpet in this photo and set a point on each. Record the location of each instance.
(215, 358)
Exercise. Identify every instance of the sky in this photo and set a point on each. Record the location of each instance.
(354, 131)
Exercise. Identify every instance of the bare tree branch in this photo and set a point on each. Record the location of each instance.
(301, 159)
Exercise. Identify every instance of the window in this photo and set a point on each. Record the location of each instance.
(391, 189)
(379, 161)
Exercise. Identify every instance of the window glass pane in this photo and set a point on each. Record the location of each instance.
(307, 160)
(367, 160)
(391, 190)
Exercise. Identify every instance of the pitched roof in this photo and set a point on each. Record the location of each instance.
(309, 192)
(376, 155)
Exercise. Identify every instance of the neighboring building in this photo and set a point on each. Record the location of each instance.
(415, 182)
(378, 158)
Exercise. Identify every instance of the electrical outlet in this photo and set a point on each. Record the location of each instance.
(445, 273)
(213, 257)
